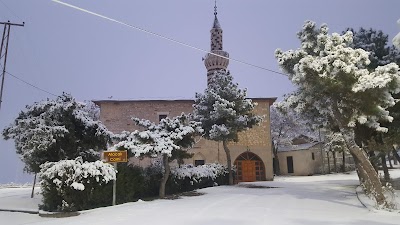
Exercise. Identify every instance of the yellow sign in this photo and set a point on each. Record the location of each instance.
(115, 156)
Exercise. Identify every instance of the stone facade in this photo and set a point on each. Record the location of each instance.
(116, 116)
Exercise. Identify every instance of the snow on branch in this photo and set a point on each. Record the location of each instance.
(163, 138)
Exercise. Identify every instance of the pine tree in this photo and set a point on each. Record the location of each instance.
(380, 53)
(224, 111)
(169, 140)
(335, 87)
(54, 130)
(396, 39)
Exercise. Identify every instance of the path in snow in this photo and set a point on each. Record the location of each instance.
(314, 200)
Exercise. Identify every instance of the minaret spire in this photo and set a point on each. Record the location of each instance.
(211, 61)
(215, 8)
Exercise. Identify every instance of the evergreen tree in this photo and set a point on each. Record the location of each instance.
(335, 88)
(54, 130)
(380, 53)
(396, 39)
(169, 140)
(224, 111)
(376, 43)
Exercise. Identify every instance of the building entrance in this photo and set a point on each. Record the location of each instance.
(249, 167)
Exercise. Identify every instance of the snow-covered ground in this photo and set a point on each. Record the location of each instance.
(328, 199)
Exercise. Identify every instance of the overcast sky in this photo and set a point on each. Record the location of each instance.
(64, 50)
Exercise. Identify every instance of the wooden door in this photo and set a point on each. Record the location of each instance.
(289, 160)
(248, 170)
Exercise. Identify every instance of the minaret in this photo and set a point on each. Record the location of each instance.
(212, 62)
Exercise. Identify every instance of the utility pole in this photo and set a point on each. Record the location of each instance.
(4, 46)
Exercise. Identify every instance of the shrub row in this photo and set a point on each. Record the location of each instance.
(72, 185)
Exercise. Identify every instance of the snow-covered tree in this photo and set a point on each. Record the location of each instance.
(285, 126)
(224, 111)
(396, 39)
(381, 53)
(377, 44)
(53, 130)
(92, 109)
(335, 87)
(334, 142)
(163, 139)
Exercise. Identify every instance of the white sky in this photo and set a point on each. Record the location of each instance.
(61, 49)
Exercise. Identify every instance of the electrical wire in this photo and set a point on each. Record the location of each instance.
(34, 86)
(163, 37)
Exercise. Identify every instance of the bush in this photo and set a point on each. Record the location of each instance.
(71, 185)
(130, 183)
(188, 177)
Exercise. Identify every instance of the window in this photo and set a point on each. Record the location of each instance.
(312, 156)
(198, 162)
(162, 116)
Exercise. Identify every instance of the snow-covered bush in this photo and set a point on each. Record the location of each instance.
(70, 185)
(189, 177)
(197, 173)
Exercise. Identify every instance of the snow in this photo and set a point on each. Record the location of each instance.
(396, 39)
(308, 200)
(75, 172)
(196, 173)
(40, 125)
(327, 63)
(162, 138)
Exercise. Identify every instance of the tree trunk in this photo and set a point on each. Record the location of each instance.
(373, 160)
(384, 167)
(396, 155)
(334, 161)
(390, 160)
(277, 166)
(229, 161)
(329, 163)
(33, 186)
(165, 177)
(344, 161)
(360, 172)
(371, 181)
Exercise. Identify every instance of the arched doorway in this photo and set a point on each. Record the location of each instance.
(249, 167)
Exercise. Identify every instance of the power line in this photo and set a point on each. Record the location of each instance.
(163, 37)
(26, 82)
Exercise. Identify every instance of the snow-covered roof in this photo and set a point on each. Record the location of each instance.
(288, 148)
(271, 100)
(142, 100)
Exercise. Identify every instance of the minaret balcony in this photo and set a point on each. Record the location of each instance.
(212, 61)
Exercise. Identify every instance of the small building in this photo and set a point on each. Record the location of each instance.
(302, 159)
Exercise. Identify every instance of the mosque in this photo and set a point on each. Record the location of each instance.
(252, 155)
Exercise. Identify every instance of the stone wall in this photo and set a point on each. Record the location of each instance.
(303, 162)
(116, 115)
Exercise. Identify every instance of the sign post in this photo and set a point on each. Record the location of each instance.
(115, 157)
